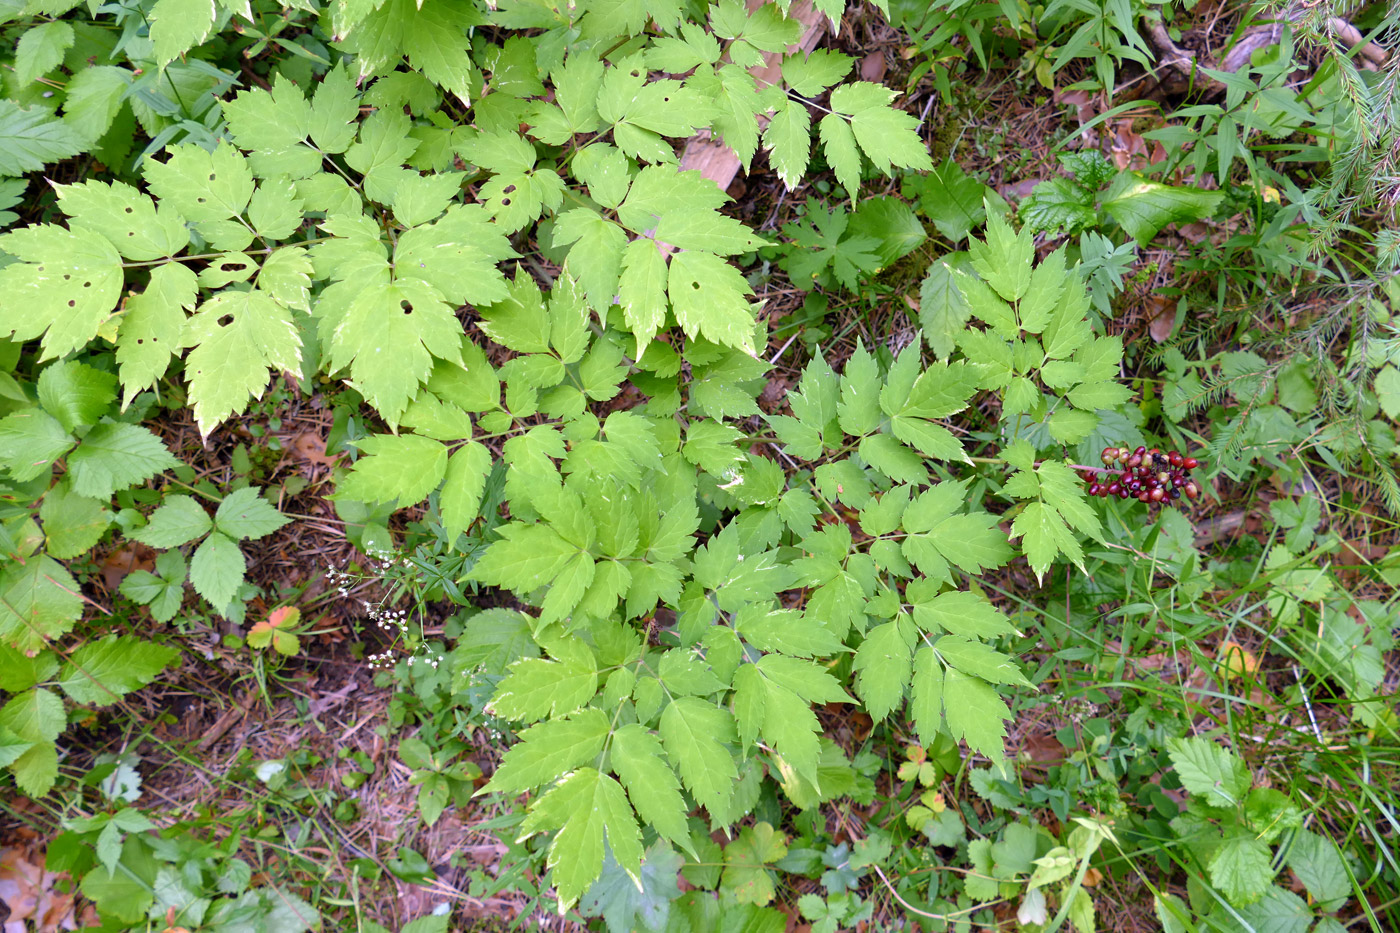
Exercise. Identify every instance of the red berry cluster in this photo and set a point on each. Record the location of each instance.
(1147, 475)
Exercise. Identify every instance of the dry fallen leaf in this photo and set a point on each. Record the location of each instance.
(128, 558)
(1235, 661)
(311, 447)
(872, 67)
(1162, 319)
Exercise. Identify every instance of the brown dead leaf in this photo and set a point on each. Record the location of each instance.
(1092, 877)
(1162, 320)
(128, 558)
(872, 67)
(311, 447)
(29, 893)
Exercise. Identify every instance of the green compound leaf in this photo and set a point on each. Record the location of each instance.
(63, 289)
(206, 188)
(587, 809)
(237, 336)
(537, 687)
(217, 570)
(102, 672)
(179, 520)
(404, 468)
(244, 513)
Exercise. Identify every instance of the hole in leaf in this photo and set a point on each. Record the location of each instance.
(87, 285)
(71, 302)
(128, 210)
(508, 189)
(226, 320)
(66, 277)
(199, 200)
(140, 341)
(211, 176)
(407, 308)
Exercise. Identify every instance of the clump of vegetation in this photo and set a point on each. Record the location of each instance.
(608, 553)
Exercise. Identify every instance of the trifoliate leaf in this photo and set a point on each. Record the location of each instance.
(217, 570)
(887, 136)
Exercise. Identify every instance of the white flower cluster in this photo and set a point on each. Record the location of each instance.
(393, 621)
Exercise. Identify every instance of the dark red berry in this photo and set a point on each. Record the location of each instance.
(1158, 494)
(1114, 489)
(1110, 454)
(1140, 451)
(1135, 461)
(1144, 496)
(1094, 489)
(1191, 490)
(1174, 458)
(1190, 463)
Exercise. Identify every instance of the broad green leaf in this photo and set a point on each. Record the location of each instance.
(179, 520)
(1241, 868)
(1143, 207)
(465, 481)
(616, 897)
(887, 136)
(237, 336)
(883, 664)
(1059, 203)
(72, 523)
(1003, 260)
(975, 714)
(39, 601)
(436, 44)
(587, 808)
(526, 558)
(788, 139)
(953, 201)
(116, 456)
(693, 732)
(746, 861)
(31, 137)
(1044, 536)
(137, 228)
(75, 393)
(101, 672)
(457, 254)
(1208, 771)
(709, 298)
(152, 326)
(537, 687)
(93, 98)
(204, 187)
(926, 700)
(40, 50)
(35, 716)
(244, 513)
(178, 26)
(404, 468)
(979, 660)
(550, 749)
(811, 73)
(64, 287)
(642, 290)
(274, 124)
(639, 761)
(1318, 864)
(217, 570)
